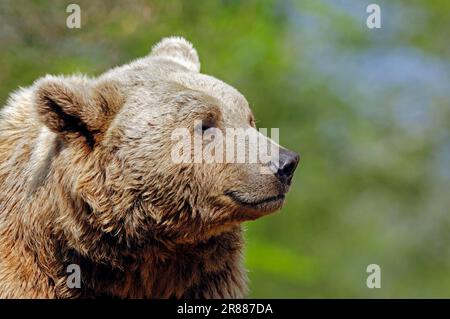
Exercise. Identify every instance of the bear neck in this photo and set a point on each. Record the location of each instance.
(157, 268)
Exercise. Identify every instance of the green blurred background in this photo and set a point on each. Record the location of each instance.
(369, 111)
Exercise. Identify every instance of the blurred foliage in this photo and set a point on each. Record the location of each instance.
(367, 109)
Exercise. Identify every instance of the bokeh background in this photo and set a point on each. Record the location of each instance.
(369, 111)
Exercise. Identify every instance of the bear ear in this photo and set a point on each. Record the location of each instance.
(75, 109)
(179, 50)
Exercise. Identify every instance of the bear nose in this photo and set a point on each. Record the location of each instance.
(288, 161)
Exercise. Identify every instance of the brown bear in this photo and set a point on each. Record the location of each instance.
(87, 178)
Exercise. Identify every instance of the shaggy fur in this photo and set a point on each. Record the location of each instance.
(86, 178)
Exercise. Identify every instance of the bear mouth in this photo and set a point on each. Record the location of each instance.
(272, 201)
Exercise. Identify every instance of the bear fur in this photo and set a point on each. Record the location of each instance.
(86, 178)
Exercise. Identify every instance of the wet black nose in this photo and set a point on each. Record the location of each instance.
(288, 161)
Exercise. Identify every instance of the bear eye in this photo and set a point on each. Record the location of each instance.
(206, 126)
(208, 123)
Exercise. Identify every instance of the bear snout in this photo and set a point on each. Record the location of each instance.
(288, 161)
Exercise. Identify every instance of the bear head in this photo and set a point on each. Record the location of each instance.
(120, 140)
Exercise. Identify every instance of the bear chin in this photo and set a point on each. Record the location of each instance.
(267, 204)
(254, 209)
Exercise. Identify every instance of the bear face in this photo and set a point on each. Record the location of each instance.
(116, 142)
